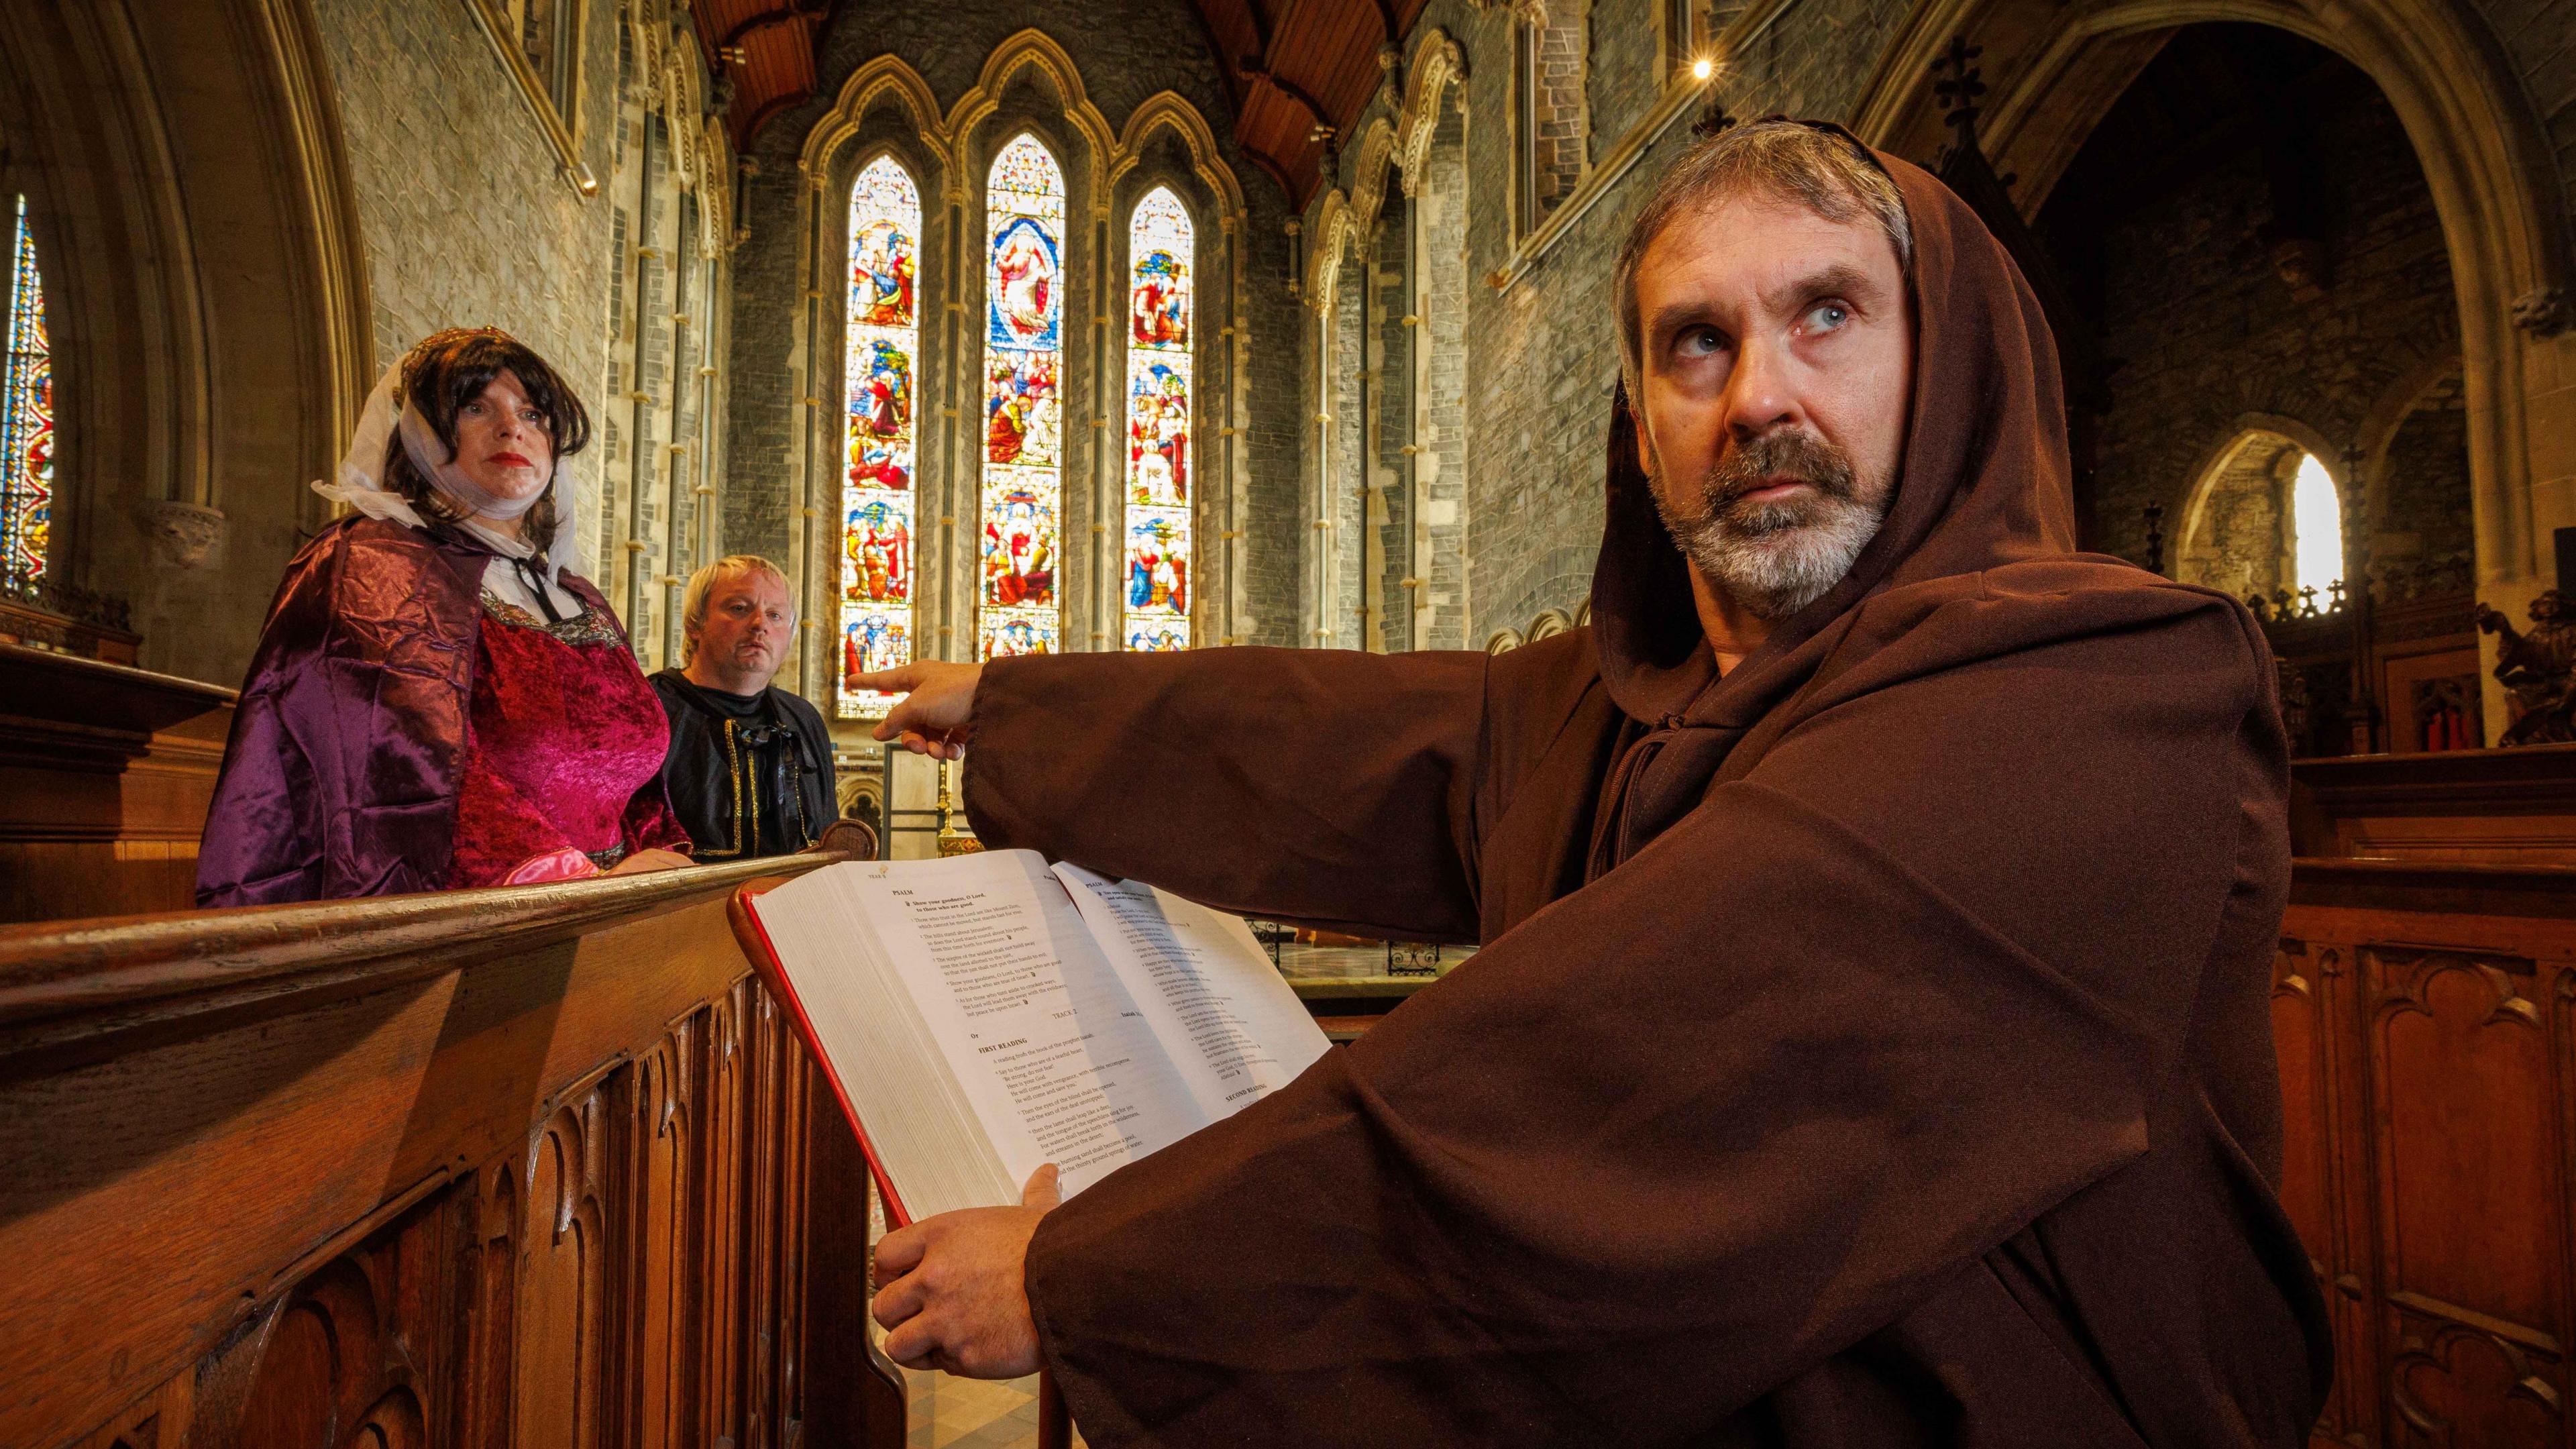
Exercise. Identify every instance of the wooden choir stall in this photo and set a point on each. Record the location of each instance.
(536, 1167)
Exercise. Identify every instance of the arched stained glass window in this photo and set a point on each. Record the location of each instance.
(877, 517)
(1017, 610)
(1159, 257)
(26, 421)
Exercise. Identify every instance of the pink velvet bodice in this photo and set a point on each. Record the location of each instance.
(563, 757)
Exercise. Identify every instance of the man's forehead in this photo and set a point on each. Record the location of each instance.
(1753, 244)
(750, 582)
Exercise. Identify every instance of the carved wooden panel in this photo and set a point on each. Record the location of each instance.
(582, 1175)
(2422, 1019)
(2310, 991)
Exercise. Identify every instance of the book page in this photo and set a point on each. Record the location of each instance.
(1056, 1058)
(1234, 1028)
(922, 1135)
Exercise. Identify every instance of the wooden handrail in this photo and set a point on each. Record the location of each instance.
(67, 982)
(2545, 892)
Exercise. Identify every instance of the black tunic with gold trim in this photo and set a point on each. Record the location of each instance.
(749, 775)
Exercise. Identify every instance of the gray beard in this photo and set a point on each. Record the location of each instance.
(1774, 559)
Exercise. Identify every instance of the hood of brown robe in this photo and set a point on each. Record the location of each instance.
(1984, 483)
(1869, 1046)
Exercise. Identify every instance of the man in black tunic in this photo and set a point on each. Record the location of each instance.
(750, 767)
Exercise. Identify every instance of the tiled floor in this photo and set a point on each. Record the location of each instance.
(953, 1413)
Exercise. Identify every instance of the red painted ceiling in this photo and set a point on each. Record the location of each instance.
(1289, 64)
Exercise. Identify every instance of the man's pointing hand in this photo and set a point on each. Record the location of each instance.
(931, 717)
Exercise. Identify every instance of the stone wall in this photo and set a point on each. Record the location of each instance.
(2238, 542)
(1440, 428)
(466, 220)
(1392, 498)
(2422, 543)
(1542, 355)
(1560, 91)
(1342, 578)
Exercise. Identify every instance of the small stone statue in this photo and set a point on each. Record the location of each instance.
(2536, 669)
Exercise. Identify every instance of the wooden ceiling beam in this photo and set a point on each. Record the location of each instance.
(788, 14)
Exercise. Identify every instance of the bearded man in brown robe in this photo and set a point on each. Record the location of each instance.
(1869, 1044)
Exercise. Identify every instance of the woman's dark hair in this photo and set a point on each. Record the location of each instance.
(447, 370)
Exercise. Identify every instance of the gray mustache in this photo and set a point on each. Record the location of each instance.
(1799, 455)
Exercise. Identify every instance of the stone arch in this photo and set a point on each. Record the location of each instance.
(2484, 152)
(205, 280)
(2209, 547)
(886, 81)
(1438, 63)
(1348, 213)
(1034, 50)
(2414, 551)
(1167, 120)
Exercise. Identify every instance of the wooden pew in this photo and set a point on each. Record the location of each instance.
(2425, 1015)
(535, 1167)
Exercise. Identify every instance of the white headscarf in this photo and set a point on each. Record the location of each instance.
(360, 487)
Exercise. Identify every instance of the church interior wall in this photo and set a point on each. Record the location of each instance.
(2422, 542)
(1543, 356)
(1439, 209)
(2234, 533)
(1394, 493)
(1246, 353)
(2206, 320)
(192, 222)
(610, 263)
(467, 215)
(698, 345)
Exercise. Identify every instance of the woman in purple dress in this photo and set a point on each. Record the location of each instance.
(438, 699)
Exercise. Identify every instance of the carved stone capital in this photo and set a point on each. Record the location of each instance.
(2544, 311)
(183, 534)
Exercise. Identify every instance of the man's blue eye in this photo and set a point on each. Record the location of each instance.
(1826, 316)
(1700, 341)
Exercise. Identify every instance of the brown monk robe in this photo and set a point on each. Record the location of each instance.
(1868, 1047)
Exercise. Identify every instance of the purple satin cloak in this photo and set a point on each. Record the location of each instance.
(342, 772)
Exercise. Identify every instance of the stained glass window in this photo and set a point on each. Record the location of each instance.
(26, 422)
(877, 514)
(1158, 424)
(1017, 610)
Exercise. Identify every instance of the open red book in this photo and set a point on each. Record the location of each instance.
(981, 1015)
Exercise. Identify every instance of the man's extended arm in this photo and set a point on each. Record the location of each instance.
(1326, 787)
